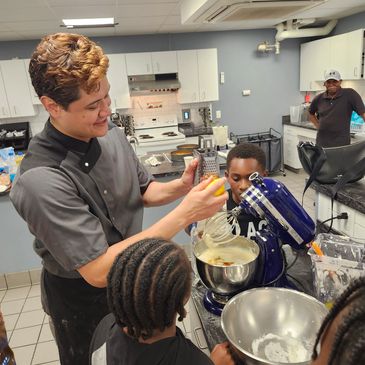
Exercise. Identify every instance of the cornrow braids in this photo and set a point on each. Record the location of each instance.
(247, 150)
(148, 285)
(348, 346)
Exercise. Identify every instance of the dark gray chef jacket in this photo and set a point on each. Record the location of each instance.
(334, 116)
(78, 198)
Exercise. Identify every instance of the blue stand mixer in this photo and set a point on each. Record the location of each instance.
(288, 223)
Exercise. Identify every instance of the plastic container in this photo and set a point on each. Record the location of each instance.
(13, 167)
(296, 113)
(343, 260)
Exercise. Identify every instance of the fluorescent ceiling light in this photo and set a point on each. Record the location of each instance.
(88, 23)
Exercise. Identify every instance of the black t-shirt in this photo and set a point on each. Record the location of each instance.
(248, 223)
(334, 115)
(111, 346)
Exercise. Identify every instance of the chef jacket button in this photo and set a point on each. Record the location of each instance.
(105, 192)
(86, 164)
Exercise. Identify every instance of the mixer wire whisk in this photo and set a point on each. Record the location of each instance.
(223, 227)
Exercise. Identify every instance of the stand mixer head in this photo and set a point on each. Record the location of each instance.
(270, 200)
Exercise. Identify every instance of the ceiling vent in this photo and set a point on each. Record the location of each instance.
(214, 11)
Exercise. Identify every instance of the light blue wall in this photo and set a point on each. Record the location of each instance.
(272, 79)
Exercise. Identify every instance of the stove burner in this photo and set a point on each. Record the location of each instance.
(145, 136)
(169, 134)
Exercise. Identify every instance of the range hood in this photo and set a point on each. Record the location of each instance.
(148, 84)
(214, 11)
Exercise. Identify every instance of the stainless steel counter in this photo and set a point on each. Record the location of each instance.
(168, 167)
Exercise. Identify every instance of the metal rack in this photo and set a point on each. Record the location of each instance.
(271, 143)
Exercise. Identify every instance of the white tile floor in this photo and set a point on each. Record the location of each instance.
(27, 324)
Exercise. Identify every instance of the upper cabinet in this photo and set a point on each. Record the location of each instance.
(118, 80)
(198, 75)
(15, 98)
(164, 62)
(346, 54)
(146, 63)
(342, 52)
(33, 94)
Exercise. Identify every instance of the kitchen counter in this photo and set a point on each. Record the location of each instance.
(168, 167)
(351, 195)
(306, 125)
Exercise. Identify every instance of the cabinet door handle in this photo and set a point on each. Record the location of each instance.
(3, 109)
(158, 66)
(15, 110)
(355, 71)
(148, 67)
(203, 95)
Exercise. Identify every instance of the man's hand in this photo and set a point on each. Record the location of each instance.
(221, 354)
(201, 202)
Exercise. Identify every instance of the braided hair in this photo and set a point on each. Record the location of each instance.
(148, 284)
(348, 346)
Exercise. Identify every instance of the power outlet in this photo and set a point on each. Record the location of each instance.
(222, 77)
(246, 92)
(218, 114)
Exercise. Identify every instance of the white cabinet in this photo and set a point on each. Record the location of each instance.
(198, 75)
(343, 52)
(188, 76)
(291, 158)
(354, 226)
(118, 80)
(15, 88)
(292, 136)
(208, 74)
(146, 63)
(346, 54)
(33, 94)
(314, 58)
(4, 106)
(164, 62)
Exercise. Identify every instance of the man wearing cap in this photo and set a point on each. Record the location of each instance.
(331, 111)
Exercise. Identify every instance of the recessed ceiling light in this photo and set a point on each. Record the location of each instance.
(88, 23)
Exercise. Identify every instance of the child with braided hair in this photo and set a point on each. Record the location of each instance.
(148, 287)
(342, 334)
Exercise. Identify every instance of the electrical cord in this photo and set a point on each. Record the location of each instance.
(343, 215)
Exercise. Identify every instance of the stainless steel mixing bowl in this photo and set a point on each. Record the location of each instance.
(227, 280)
(256, 313)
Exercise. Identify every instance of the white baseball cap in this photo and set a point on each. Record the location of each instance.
(332, 75)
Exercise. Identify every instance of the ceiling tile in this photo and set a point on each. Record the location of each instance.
(19, 4)
(10, 36)
(138, 21)
(63, 3)
(38, 25)
(147, 10)
(72, 12)
(132, 2)
(34, 13)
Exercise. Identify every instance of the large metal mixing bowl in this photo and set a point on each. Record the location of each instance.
(227, 280)
(272, 313)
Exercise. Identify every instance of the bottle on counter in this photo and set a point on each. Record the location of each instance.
(6, 354)
(12, 167)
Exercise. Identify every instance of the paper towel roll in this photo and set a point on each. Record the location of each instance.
(220, 134)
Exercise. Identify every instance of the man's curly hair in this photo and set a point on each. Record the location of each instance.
(64, 63)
